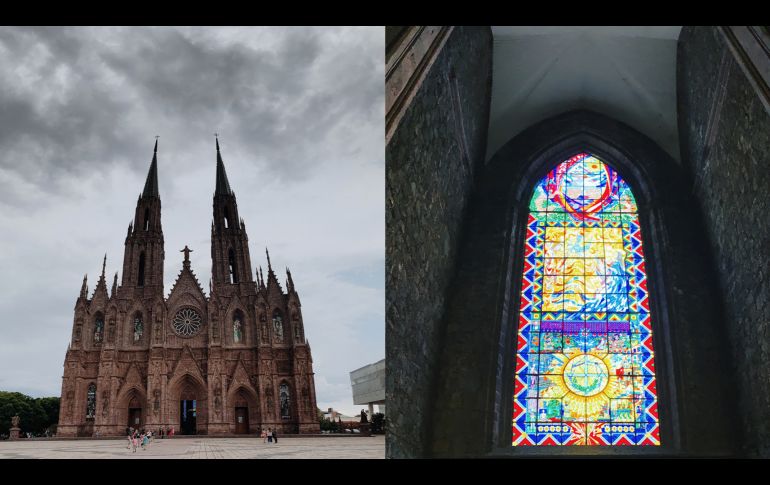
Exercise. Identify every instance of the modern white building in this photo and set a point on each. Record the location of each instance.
(368, 385)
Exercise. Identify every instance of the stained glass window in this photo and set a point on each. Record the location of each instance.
(585, 371)
(91, 402)
(285, 402)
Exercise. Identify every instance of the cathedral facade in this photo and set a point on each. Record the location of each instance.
(233, 362)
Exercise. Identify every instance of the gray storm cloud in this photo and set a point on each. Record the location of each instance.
(300, 112)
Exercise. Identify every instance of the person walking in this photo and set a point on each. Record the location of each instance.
(269, 435)
(135, 443)
(264, 436)
(129, 441)
(145, 440)
(275, 436)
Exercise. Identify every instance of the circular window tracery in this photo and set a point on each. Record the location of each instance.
(187, 322)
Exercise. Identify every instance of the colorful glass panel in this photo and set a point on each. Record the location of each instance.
(584, 370)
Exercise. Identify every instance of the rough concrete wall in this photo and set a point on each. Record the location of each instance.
(725, 139)
(431, 161)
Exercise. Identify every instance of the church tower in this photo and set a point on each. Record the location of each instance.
(231, 264)
(143, 256)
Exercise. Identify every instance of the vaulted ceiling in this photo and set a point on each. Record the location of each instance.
(628, 73)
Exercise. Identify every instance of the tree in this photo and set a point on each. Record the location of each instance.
(51, 407)
(35, 414)
(378, 423)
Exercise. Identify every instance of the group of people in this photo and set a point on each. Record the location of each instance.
(269, 436)
(138, 438)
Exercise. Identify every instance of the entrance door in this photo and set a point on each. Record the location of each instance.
(135, 418)
(241, 420)
(187, 416)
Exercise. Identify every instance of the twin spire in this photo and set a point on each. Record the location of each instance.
(151, 184)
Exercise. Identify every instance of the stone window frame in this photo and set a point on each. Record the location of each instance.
(652, 242)
(477, 339)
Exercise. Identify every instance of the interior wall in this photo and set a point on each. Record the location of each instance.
(725, 141)
(432, 159)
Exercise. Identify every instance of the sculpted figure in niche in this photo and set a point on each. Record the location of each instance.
(77, 332)
(157, 327)
(98, 330)
(112, 332)
(237, 330)
(278, 327)
(138, 328)
(218, 401)
(105, 404)
(270, 402)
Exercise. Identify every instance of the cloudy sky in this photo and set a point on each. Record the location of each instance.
(300, 113)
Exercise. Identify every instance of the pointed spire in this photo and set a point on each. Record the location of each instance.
(289, 281)
(271, 278)
(151, 185)
(130, 226)
(104, 264)
(114, 286)
(84, 288)
(260, 279)
(222, 185)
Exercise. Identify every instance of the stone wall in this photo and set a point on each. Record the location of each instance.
(431, 161)
(725, 139)
(472, 406)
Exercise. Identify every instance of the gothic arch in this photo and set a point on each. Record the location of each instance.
(480, 330)
(279, 333)
(237, 395)
(97, 330)
(289, 387)
(188, 386)
(127, 333)
(234, 308)
(131, 395)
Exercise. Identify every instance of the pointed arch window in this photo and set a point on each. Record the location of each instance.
(237, 327)
(584, 368)
(285, 401)
(226, 218)
(147, 219)
(91, 402)
(140, 280)
(98, 328)
(277, 326)
(232, 266)
(138, 327)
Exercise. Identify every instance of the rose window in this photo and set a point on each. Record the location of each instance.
(186, 322)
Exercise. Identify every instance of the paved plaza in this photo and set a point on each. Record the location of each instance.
(319, 447)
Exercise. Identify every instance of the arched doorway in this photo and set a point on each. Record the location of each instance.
(188, 402)
(244, 406)
(135, 418)
(241, 415)
(188, 411)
